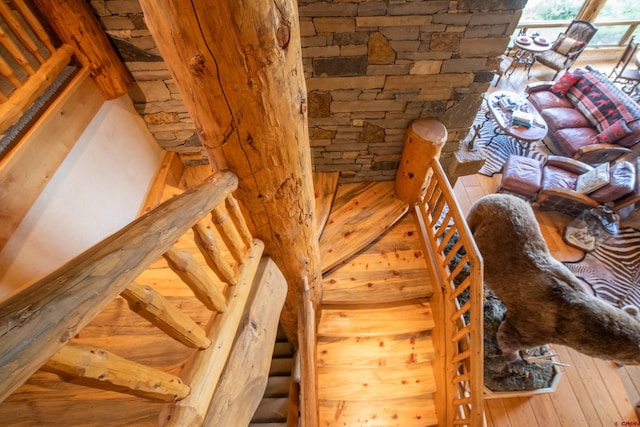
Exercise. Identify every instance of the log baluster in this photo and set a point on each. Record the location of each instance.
(187, 268)
(97, 368)
(151, 305)
(19, 31)
(233, 207)
(7, 72)
(229, 234)
(206, 242)
(34, 23)
(15, 52)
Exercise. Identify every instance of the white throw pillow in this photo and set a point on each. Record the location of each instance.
(596, 178)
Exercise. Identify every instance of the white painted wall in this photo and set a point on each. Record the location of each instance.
(98, 189)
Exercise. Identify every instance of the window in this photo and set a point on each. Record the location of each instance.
(614, 21)
(551, 10)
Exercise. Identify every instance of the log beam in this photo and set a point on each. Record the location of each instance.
(238, 66)
(75, 24)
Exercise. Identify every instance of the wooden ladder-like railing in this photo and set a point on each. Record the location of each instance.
(33, 64)
(456, 266)
(37, 324)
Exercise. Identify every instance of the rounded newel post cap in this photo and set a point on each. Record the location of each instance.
(423, 142)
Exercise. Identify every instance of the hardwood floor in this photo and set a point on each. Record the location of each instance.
(591, 392)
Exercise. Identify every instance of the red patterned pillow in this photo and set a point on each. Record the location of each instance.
(564, 83)
(618, 130)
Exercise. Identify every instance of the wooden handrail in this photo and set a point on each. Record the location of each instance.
(40, 320)
(307, 352)
(456, 265)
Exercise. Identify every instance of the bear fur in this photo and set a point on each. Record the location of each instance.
(545, 302)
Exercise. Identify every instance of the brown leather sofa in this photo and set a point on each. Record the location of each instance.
(551, 184)
(579, 117)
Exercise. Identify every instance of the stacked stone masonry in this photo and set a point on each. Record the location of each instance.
(371, 68)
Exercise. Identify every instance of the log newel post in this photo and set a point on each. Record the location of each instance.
(424, 140)
(239, 68)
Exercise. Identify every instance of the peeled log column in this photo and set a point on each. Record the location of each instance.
(239, 69)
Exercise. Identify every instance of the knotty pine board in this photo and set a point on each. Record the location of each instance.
(361, 213)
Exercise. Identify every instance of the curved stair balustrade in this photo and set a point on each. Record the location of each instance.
(456, 266)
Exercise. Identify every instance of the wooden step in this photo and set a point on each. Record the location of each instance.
(271, 409)
(380, 382)
(391, 351)
(282, 350)
(268, 425)
(278, 386)
(281, 367)
(391, 269)
(325, 185)
(409, 412)
(376, 320)
(361, 213)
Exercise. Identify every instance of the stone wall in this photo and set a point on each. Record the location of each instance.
(371, 68)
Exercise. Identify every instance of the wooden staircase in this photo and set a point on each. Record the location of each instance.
(374, 347)
(374, 350)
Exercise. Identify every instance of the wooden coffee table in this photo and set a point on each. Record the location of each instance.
(502, 117)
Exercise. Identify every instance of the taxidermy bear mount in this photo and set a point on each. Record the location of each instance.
(545, 302)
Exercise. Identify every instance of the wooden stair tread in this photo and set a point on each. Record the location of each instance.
(376, 320)
(281, 367)
(268, 425)
(384, 272)
(325, 185)
(360, 215)
(392, 351)
(277, 386)
(271, 409)
(282, 350)
(348, 383)
(408, 412)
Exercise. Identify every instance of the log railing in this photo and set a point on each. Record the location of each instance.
(37, 325)
(33, 62)
(456, 266)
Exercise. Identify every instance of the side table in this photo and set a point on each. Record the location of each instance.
(527, 48)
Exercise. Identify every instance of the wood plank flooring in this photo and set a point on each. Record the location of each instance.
(364, 211)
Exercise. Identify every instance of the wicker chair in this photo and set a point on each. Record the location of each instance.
(568, 46)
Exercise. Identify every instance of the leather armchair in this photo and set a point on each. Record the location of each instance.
(551, 184)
